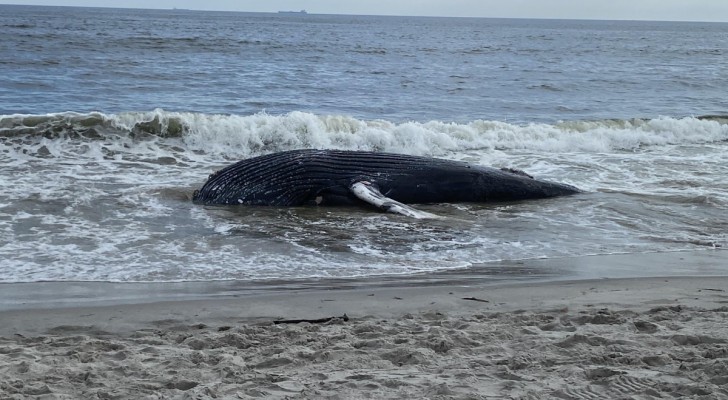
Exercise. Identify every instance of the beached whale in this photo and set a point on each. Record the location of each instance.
(386, 181)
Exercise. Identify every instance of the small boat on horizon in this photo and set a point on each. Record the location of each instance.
(302, 12)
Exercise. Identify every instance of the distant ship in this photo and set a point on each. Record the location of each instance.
(302, 12)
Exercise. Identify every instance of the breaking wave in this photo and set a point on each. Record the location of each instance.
(236, 136)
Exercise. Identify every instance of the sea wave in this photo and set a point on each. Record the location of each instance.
(237, 136)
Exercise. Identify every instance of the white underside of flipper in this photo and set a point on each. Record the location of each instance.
(368, 193)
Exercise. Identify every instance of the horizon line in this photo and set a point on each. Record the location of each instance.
(308, 14)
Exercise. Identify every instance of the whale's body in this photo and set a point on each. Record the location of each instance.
(387, 181)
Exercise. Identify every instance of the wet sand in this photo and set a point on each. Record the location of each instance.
(655, 337)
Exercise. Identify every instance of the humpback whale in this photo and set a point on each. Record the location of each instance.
(386, 181)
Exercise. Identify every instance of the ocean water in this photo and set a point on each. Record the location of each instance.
(111, 118)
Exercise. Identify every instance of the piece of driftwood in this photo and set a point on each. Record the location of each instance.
(476, 299)
(310, 321)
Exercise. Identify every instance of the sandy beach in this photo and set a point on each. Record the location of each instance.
(641, 338)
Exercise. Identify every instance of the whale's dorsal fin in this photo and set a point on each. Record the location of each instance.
(365, 191)
(517, 172)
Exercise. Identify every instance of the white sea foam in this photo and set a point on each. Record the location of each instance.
(237, 136)
(243, 136)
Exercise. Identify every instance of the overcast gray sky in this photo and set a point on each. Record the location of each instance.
(671, 10)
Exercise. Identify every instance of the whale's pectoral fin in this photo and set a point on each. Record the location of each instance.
(365, 191)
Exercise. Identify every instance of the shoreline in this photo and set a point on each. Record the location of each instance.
(63, 294)
(386, 302)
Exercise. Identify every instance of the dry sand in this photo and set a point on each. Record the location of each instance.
(611, 338)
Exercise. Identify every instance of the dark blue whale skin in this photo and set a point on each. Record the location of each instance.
(325, 177)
